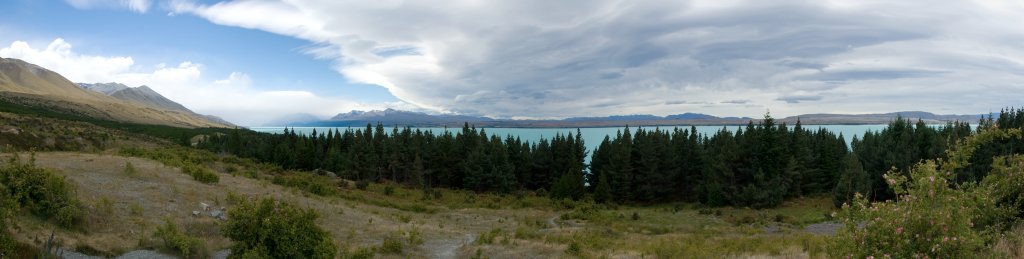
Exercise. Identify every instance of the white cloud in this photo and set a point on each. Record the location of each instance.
(233, 97)
(594, 57)
(140, 6)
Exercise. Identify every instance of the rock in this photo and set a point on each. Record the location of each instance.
(325, 173)
(10, 130)
(144, 254)
(218, 214)
(196, 213)
(222, 254)
(206, 207)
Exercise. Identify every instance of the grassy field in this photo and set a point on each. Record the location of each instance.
(386, 220)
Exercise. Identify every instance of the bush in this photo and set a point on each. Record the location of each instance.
(315, 184)
(41, 192)
(929, 218)
(273, 229)
(926, 220)
(392, 245)
(179, 242)
(362, 184)
(129, 169)
(200, 173)
(361, 253)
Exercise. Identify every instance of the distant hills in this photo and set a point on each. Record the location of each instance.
(142, 95)
(23, 84)
(391, 117)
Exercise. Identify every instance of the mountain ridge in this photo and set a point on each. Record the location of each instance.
(27, 84)
(394, 117)
(142, 95)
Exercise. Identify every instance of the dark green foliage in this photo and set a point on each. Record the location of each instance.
(758, 165)
(853, 181)
(312, 183)
(177, 241)
(568, 186)
(392, 245)
(269, 228)
(899, 146)
(602, 192)
(200, 173)
(41, 192)
(932, 217)
(467, 159)
(981, 162)
(7, 209)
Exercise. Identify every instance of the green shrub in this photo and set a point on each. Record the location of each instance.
(362, 184)
(392, 245)
(926, 220)
(361, 253)
(315, 184)
(273, 229)
(1004, 185)
(574, 249)
(177, 241)
(41, 192)
(7, 208)
(200, 173)
(129, 169)
(931, 219)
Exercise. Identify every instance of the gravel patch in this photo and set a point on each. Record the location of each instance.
(824, 228)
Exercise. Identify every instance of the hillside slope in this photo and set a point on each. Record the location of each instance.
(26, 84)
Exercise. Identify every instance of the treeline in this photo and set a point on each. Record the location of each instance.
(467, 159)
(759, 165)
(903, 144)
(899, 146)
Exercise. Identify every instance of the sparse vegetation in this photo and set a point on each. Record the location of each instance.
(129, 169)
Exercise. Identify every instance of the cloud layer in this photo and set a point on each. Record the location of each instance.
(140, 6)
(599, 57)
(233, 97)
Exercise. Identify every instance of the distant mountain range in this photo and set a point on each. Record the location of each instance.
(391, 117)
(28, 85)
(141, 95)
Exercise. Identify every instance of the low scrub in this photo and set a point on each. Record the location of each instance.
(190, 161)
(933, 218)
(41, 192)
(315, 184)
(179, 242)
(269, 228)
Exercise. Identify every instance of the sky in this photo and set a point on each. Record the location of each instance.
(253, 61)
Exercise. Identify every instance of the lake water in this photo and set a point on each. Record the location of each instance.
(592, 137)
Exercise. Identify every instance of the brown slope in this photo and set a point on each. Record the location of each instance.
(29, 84)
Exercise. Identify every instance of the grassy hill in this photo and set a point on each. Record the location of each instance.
(30, 85)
